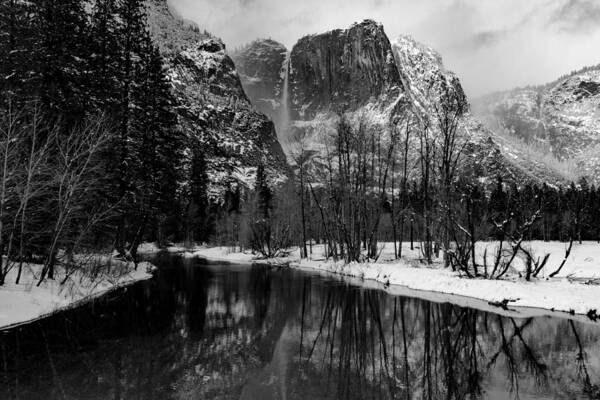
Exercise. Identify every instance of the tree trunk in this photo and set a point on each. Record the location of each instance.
(303, 212)
(412, 236)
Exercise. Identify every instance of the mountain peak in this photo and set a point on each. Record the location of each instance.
(259, 46)
(415, 52)
(368, 24)
(169, 30)
(341, 69)
(423, 73)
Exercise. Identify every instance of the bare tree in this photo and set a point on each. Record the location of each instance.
(427, 155)
(31, 181)
(10, 128)
(302, 157)
(76, 173)
(448, 113)
(400, 208)
(351, 185)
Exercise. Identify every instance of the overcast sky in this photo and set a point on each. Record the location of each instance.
(490, 44)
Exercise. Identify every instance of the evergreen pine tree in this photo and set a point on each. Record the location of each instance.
(199, 219)
(498, 199)
(16, 50)
(263, 193)
(158, 142)
(60, 58)
(261, 225)
(104, 57)
(133, 214)
(573, 196)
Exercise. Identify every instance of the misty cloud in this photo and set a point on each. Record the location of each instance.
(482, 40)
(577, 16)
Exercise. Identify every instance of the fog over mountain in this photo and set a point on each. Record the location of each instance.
(491, 45)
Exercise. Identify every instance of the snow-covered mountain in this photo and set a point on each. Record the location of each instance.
(339, 71)
(213, 109)
(423, 74)
(488, 153)
(261, 69)
(342, 70)
(360, 71)
(563, 116)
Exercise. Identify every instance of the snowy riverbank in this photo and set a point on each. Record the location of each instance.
(26, 302)
(571, 291)
(555, 295)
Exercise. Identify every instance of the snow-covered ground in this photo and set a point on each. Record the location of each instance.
(583, 262)
(557, 295)
(570, 291)
(219, 254)
(26, 302)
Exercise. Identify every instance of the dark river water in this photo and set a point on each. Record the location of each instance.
(239, 332)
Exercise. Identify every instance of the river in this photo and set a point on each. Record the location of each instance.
(200, 331)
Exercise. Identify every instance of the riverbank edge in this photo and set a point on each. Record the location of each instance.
(149, 274)
(497, 305)
(584, 303)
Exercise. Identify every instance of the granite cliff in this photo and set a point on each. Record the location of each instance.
(213, 109)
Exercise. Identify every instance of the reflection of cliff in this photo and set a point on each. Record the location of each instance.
(192, 333)
(220, 333)
(244, 322)
(271, 381)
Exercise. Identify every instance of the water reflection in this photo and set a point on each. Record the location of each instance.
(202, 332)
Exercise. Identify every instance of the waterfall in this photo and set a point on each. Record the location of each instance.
(283, 132)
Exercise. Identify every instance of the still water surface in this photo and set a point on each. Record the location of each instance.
(231, 332)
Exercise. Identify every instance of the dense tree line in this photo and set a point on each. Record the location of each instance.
(407, 182)
(565, 212)
(87, 79)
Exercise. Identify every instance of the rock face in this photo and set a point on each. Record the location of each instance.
(261, 69)
(358, 71)
(342, 70)
(334, 72)
(564, 116)
(213, 109)
(423, 75)
(487, 154)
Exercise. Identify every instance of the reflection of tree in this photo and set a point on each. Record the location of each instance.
(535, 368)
(348, 353)
(214, 332)
(451, 353)
(588, 388)
(199, 331)
(364, 344)
(512, 368)
(396, 365)
(261, 287)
